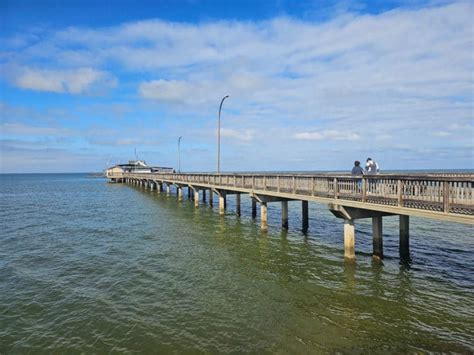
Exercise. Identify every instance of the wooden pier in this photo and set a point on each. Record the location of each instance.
(446, 197)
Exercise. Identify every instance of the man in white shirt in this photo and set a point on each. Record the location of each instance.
(371, 167)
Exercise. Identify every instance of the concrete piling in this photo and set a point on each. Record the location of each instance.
(349, 239)
(237, 204)
(377, 237)
(221, 204)
(196, 198)
(304, 210)
(404, 236)
(284, 214)
(263, 216)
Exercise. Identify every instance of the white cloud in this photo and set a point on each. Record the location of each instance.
(441, 134)
(170, 91)
(74, 81)
(20, 129)
(398, 76)
(245, 135)
(327, 135)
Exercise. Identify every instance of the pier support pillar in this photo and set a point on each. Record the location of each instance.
(263, 216)
(196, 198)
(377, 237)
(204, 195)
(168, 189)
(349, 239)
(189, 193)
(304, 210)
(404, 236)
(254, 208)
(211, 198)
(152, 186)
(221, 204)
(284, 214)
(180, 193)
(237, 204)
(160, 187)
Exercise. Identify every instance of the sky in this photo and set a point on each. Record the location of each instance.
(312, 85)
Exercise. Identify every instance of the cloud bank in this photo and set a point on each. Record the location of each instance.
(398, 80)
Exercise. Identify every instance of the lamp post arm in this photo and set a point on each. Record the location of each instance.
(219, 136)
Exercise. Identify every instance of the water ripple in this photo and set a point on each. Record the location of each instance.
(87, 266)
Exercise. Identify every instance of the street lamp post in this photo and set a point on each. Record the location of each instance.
(219, 136)
(179, 154)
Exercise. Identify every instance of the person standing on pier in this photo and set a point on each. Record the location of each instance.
(357, 169)
(371, 167)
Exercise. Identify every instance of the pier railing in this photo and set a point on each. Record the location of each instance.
(438, 193)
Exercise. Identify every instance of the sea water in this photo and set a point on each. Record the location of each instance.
(89, 266)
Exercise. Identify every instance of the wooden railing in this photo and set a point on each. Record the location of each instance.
(446, 194)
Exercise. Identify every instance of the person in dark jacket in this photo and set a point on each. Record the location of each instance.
(357, 170)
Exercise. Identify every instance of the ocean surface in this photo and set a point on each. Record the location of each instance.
(89, 266)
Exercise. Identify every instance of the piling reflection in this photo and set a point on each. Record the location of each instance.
(349, 273)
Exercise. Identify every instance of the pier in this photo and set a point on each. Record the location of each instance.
(445, 197)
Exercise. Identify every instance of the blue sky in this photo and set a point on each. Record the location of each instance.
(313, 85)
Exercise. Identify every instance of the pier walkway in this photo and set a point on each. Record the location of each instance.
(446, 197)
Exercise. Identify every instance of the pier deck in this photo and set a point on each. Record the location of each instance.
(446, 197)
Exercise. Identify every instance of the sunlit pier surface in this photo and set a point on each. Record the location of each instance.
(445, 197)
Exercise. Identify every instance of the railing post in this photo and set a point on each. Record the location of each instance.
(335, 188)
(278, 183)
(313, 188)
(400, 193)
(364, 189)
(264, 183)
(253, 182)
(294, 184)
(446, 196)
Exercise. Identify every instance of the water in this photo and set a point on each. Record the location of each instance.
(87, 266)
